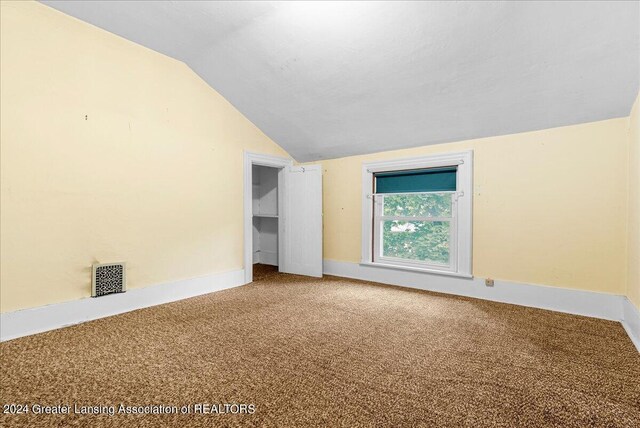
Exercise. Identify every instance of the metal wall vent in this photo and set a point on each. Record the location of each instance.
(108, 278)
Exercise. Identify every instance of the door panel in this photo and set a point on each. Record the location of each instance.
(303, 221)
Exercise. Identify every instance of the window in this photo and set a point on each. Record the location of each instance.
(417, 214)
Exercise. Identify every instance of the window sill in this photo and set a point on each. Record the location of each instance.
(415, 269)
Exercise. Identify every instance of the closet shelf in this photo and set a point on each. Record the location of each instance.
(266, 215)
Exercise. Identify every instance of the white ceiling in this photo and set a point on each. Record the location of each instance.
(331, 79)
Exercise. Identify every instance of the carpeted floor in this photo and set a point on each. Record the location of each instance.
(335, 353)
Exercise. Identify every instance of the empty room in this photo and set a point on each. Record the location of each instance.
(319, 214)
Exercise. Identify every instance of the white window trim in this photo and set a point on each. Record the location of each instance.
(461, 266)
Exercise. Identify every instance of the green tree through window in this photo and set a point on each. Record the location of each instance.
(424, 239)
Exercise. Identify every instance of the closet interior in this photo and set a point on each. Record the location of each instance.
(265, 215)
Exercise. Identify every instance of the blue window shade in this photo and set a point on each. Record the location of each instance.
(416, 180)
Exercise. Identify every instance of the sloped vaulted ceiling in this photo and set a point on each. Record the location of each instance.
(331, 79)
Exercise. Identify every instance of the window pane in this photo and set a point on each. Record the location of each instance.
(417, 205)
(416, 240)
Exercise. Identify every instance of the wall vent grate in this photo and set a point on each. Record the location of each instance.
(108, 278)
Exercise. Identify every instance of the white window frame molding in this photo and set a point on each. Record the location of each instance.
(462, 265)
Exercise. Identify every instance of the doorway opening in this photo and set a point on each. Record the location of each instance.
(263, 212)
(265, 221)
(282, 216)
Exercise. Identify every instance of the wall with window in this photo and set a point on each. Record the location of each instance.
(111, 152)
(633, 277)
(549, 207)
(416, 213)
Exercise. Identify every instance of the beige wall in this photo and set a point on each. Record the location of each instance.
(633, 275)
(549, 206)
(110, 151)
(152, 176)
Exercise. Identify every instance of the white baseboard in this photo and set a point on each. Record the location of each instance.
(598, 305)
(631, 322)
(50, 317)
(587, 303)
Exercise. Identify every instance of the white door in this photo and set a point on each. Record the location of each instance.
(303, 220)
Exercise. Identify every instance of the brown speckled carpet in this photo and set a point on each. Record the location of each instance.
(331, 353)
